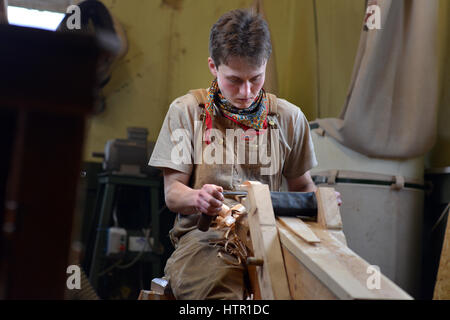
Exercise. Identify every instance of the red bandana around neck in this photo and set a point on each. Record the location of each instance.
(253, 117)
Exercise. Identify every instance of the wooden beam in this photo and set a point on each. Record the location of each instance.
(337, 267)
(321, 268)
(331, 262)
(243, 232)
(303, 284)
(266, 243)
(328, 214)
(44, 150)
(3, 11)
(442, 287)
(299, 228)
(161, 286)
(152, 295)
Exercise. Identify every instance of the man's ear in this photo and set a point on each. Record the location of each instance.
(212, 67)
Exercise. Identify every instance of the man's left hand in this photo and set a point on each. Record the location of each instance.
(338, 198)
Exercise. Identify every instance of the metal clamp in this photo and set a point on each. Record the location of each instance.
(399, 183)
(319, 131)
(332, 176)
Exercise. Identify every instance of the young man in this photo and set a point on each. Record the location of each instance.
(215, 139)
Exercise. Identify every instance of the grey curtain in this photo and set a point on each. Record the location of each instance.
(391, 106)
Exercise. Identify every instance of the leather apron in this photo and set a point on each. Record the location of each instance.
(194, 270)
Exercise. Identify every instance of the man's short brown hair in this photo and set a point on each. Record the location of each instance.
(240, 33)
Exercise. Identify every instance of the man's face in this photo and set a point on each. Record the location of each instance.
(239, 81)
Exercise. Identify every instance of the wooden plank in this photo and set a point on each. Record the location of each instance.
(299, 228)
(327, 269)
(243, 232)
(320, 263)
(303, 284)
(254, 283)
(442, 287)
(341, 270)
(339, 235)
(152, 295)
(328, 214)
(160, 286)
(45, 155)
(266, 243)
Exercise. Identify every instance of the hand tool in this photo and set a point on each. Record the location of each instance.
(290, 204)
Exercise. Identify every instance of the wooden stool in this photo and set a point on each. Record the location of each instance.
(160, 290)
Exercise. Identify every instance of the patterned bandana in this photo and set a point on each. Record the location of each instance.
(253, 117)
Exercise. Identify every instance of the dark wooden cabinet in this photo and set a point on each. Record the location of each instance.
(48, 86)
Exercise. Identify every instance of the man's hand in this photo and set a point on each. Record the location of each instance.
(305, 183)
(302, 183)
(208, 199)
(338, 198)
(182, 199)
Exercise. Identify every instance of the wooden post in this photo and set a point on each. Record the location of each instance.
(442, 287)
(328, 214)
(47, 85)
(328, 269)
(266, 243)
(317, 261)
(3, 11)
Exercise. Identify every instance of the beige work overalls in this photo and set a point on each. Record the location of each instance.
(194, 270)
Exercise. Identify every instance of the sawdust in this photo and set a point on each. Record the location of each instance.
(230, 244)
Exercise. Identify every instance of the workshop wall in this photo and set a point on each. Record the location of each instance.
(440, 155)
(168, 50)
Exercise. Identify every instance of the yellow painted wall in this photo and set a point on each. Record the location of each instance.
(168, 50)
(440, 155)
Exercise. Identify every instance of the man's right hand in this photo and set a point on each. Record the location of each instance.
(208, 199)
(182, 199)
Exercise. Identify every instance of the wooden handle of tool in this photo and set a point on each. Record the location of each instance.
(204, 222)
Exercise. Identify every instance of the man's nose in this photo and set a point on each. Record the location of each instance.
(245, 89)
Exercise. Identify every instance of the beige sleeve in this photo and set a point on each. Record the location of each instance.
(173, 149)
(301, 157)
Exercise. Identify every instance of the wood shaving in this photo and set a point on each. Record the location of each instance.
(225, 211)
(230, 244)
(229, 221)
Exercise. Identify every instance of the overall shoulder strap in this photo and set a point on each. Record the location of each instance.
(201, 95)
(272, 103)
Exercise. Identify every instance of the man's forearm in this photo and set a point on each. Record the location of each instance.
(180, 198)
(303, 183)
(310, 187)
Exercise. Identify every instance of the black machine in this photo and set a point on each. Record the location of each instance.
(129, 156)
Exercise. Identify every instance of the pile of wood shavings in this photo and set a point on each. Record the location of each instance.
(230, 243)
